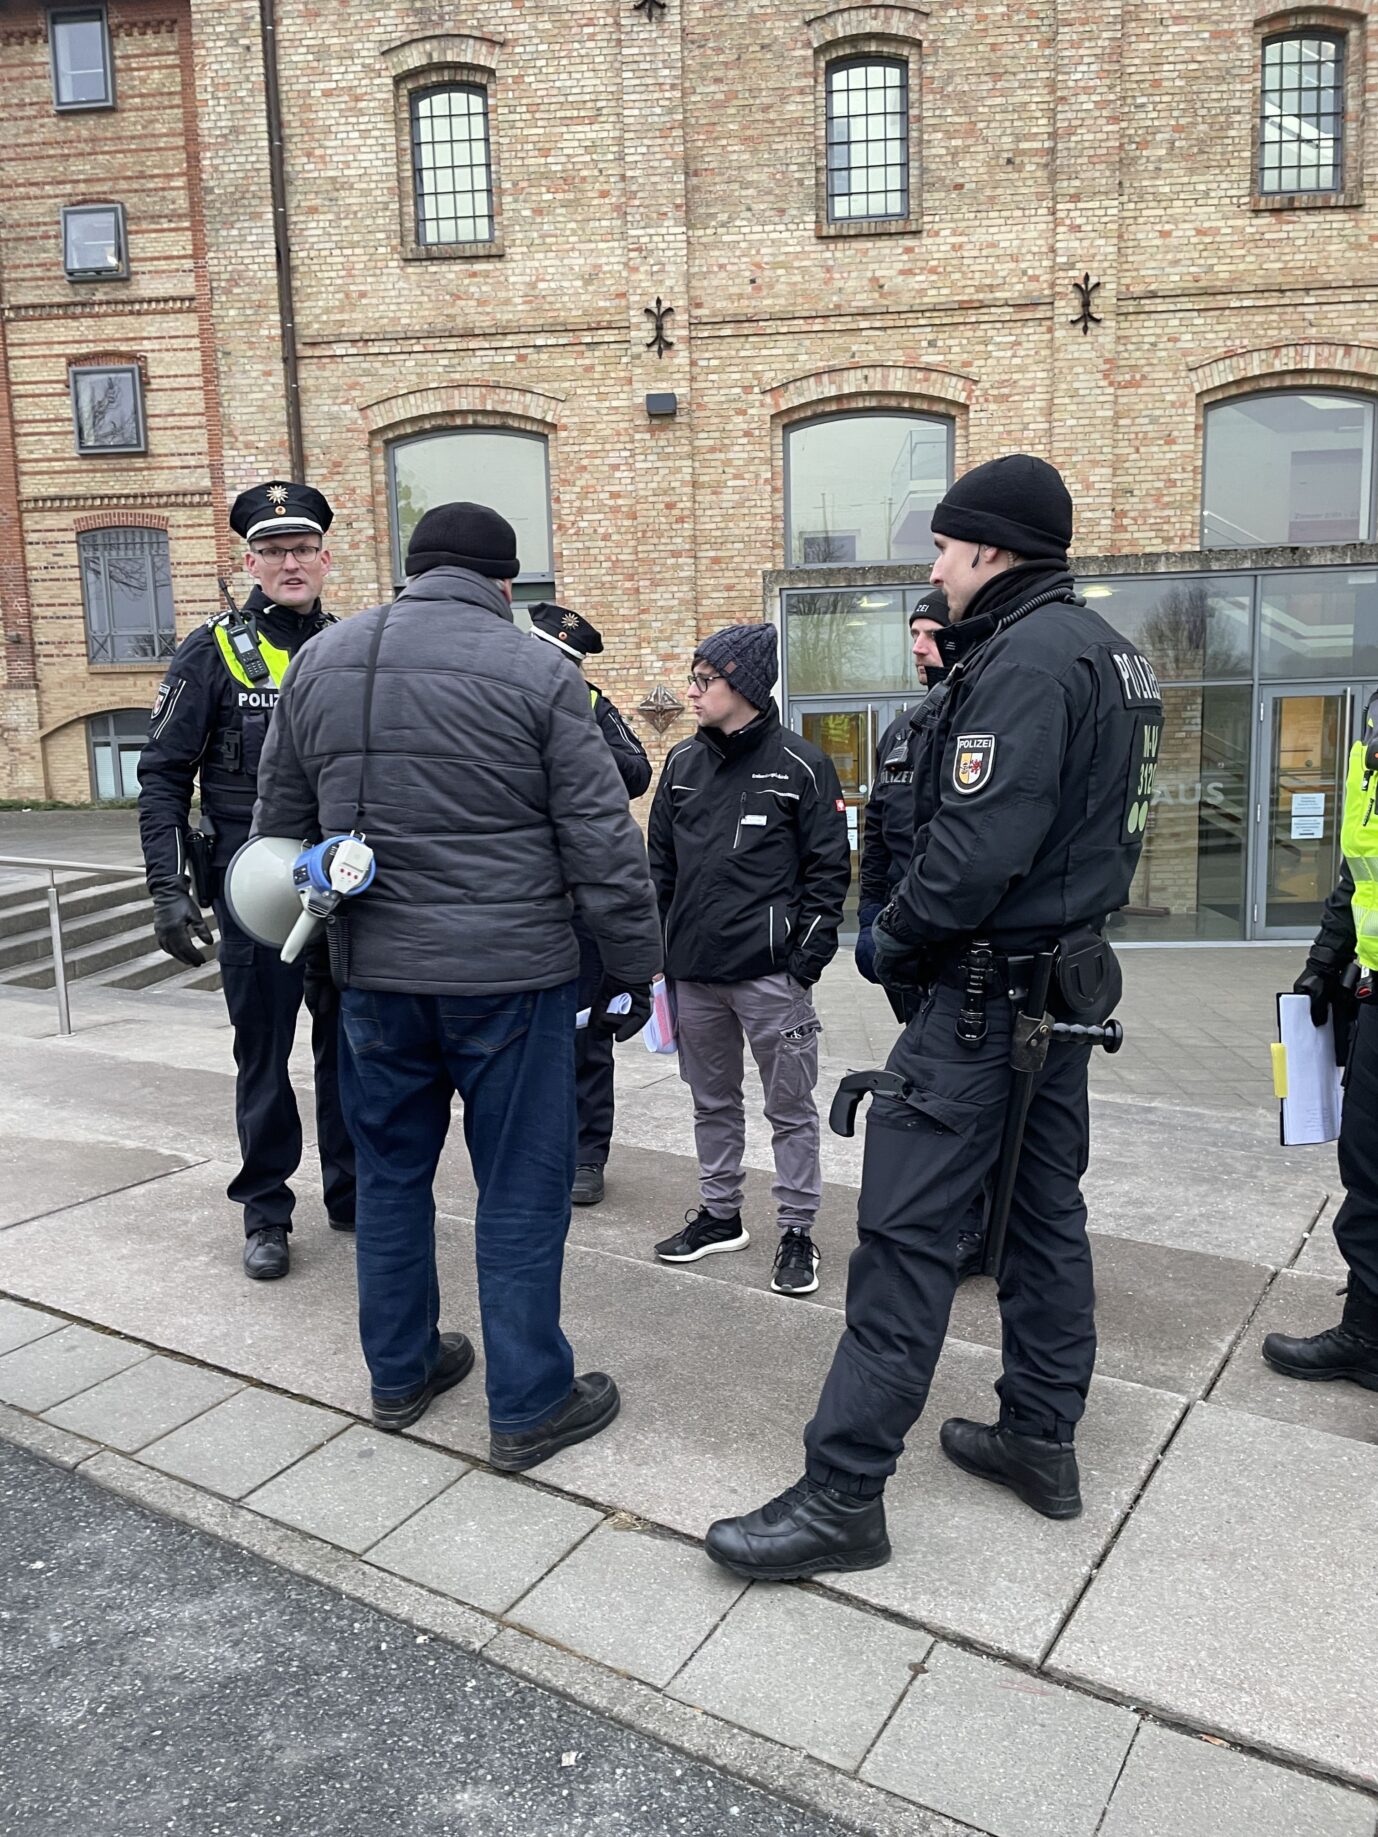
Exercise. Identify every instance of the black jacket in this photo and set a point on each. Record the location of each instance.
(627, 751)
(1034, 770)
(207, 724)
(749, 855)
(1336, 942)
(491, 799)
(887, 839)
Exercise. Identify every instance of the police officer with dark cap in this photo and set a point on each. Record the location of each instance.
(593, 1054)
(1033, 778)
(209, 722)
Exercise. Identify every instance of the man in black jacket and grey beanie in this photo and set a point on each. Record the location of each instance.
(470, 759)
(751, 863)
(1033, 778)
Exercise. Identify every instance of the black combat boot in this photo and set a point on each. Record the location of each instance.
(266, 1253)
(1041, 1473)
(808, 1530)
(1347, 1351)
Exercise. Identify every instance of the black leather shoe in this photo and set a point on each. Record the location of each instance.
(266, 1254)
(590, 1406)
(1336, 1353)
(588, 1185)
(456, 1361)
(1041, 1473)
(807, 1531)
(341, 1224)
(971, 1254)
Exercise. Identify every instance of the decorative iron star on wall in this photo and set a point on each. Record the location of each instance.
(1085, 287)
(650, 9)
(659, 341)
(662, 707)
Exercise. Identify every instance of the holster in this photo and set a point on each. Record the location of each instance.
(1087, 979)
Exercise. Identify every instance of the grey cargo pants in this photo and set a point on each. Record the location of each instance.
(776, 1016)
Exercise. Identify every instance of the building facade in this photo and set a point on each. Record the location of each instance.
(713, 299)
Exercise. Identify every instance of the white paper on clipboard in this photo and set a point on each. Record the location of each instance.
(1314, 1088)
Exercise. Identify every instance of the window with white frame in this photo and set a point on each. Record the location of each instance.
(867, 138)
(126, 588)
(83, 70)
(501, 467)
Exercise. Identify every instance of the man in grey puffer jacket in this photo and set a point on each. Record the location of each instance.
(494, 809)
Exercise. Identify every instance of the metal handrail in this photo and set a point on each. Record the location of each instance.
(53, 869)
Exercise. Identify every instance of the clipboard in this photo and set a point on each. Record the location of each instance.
(1307, 1081)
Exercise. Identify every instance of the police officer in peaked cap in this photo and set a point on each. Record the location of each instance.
(208, 726)
(593, 1056)
(1033, 772)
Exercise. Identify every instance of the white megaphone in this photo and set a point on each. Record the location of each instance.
(260, 892)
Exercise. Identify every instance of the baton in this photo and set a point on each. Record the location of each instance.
(1034, 1032)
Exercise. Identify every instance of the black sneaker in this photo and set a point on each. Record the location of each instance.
(808, 1530)
(266, 1253)
(340, 1224)
(588, 1185)
(796, 1264)
(589, 1407)
(703, 1236)
(456, 1361)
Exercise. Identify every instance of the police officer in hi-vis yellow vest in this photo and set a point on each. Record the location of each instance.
(208, 723)
(1342, 974)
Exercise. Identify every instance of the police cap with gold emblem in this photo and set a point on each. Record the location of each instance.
(565, 630)
(279, 508)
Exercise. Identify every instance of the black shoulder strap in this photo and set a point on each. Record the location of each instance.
(370, 677)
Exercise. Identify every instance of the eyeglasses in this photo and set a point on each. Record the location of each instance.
(704, 683)
(304, 551)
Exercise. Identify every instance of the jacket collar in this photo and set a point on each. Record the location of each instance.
(746, 739)
(283, 625)
(1001, 599)
(446, 586)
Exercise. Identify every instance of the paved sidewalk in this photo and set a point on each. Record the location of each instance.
(1015, 1676)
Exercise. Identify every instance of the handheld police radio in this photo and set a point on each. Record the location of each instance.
(323, 875)
(244, 641)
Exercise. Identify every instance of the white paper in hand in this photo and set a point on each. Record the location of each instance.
(1311, 1107)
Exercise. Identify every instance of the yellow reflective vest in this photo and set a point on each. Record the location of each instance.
(276, 659)
(1359, 836)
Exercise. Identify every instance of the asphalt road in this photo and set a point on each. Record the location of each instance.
(153, 1680)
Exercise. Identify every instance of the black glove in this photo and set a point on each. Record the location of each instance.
(620, 1026)
(901, 961)
(865, 944)
(803, 971)
(176, 921)
(1325, 986)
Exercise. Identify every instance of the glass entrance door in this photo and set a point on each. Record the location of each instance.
(1305, 744)
(848, 730)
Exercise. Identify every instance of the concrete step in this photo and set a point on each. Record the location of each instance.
(29, 913)
(155, 969)
(133, 920)
(86, 959)
(31, 888)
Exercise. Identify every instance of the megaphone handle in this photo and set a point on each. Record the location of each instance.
(300, 936)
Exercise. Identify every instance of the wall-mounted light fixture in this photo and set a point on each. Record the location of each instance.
(662, 405)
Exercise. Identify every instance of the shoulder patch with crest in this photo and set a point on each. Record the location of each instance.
(973, 764)
(160, 699)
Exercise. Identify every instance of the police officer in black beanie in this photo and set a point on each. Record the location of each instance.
(1032, 780)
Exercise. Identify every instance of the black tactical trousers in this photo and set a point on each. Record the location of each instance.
(923, 1173)
(264, 996)
(593, 1064)
(1356, 1222)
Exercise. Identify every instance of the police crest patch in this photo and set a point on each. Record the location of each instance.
(973, 763)
(159, 700)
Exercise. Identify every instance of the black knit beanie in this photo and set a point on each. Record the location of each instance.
(933, 606)
(464, 536)
(1017, 503)
(748, 656)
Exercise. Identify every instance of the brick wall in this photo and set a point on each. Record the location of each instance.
(672, 157)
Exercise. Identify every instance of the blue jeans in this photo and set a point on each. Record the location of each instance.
(511, 1058)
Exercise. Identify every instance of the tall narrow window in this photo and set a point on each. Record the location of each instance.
(451, 168)
(83, 74)
(1301, 121)
(867, 132)
(126, 585)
